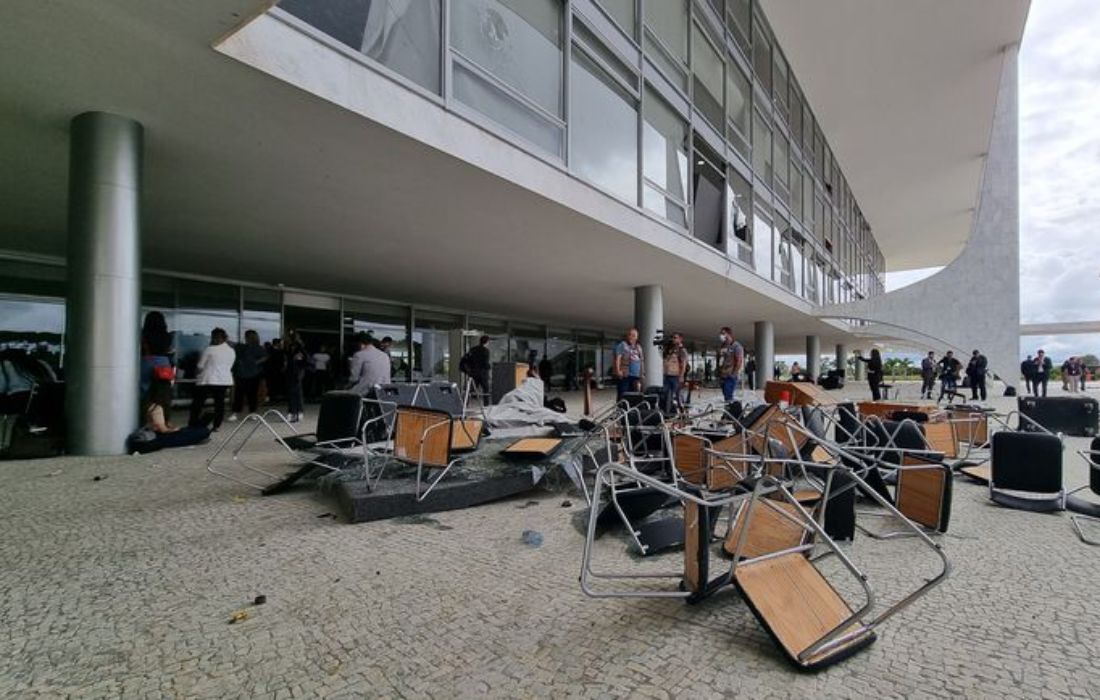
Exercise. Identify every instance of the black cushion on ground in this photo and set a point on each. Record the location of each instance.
(1029, 462)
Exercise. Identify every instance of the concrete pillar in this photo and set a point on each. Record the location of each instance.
(860, 366)
(103, 305)
(649, 317)
(764, 345)
(813, 356)
(842, 358)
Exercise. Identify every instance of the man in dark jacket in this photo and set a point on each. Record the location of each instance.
(1041, 375)
(928, 375)
(976, 370)
(476, 364)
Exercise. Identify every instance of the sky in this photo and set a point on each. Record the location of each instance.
(1059, 174)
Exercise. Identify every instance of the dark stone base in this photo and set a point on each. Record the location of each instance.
(396, 497)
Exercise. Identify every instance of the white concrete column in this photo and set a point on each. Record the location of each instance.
(649, 317)
(860, 366)
(813, 356)
(764, 346)
(103, 304)
(842, 359)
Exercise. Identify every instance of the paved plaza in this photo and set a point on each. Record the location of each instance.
(120, 574)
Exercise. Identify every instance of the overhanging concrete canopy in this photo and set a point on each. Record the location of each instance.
(905, 92)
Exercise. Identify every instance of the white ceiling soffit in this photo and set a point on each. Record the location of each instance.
(904, 91)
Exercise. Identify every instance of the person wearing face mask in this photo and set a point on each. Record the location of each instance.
(731, 361)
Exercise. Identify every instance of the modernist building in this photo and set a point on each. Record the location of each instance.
(543, 171)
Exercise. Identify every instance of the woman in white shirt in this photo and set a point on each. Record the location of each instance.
(215, 376)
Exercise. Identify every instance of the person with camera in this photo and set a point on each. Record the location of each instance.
(675, 363)
(627, 364)
(731, 361)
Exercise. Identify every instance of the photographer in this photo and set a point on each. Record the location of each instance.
(675, 362)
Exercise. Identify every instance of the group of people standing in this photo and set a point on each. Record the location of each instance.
(628, 364)
(1036, 372)
(253, 371)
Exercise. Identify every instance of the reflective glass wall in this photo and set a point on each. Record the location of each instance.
(424, 340)
(686, 109)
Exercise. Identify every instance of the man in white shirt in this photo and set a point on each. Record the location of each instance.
(369, 366)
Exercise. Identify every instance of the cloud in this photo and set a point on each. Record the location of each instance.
(1060, 170)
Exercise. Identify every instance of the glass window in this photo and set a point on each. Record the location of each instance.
(263, 313)
(739, 214)
(795, 121)
(622, 11)
(807, 130)
(782, 161)
(709, 185)
(707, 71)
(561, 350)
(796, 191)
(519, 44)
(796, 264)
(739, 104)
(431, 343)
(761, 149)
(496, 329)
(604, 130)
(479, 93)
(739, 21)
(761, 57)
(664, 159)
(597, 48)
(528, 343)
(400, 35)
(782, 99)
(807, 197)
(782, 238)
(36, 326)
(668, 20)
(762, 244)
(379, 320)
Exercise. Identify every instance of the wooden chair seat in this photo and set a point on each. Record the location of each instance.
(981, 473)
(797, 606)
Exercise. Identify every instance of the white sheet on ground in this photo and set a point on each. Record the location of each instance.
(522, 407)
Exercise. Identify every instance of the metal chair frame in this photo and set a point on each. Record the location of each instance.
(268, 420)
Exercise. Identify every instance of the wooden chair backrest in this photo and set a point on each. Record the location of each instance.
(687, 451)
(972, 428)
(775, 424)
(466, 433)
(725, 472)
(412, 441)
(920, 492)
(941, 437)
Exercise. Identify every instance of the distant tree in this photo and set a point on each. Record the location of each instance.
(1090, 360)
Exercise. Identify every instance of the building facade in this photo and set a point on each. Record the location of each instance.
(546, 172)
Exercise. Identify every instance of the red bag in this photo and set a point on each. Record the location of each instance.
(164, 373)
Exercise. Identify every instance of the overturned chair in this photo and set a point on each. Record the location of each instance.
(431, 440)
(800, 608)
(333, 446)
(1086, 511)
